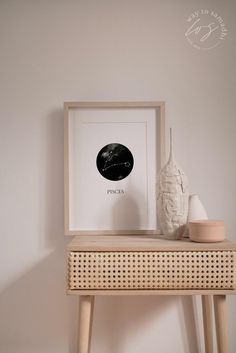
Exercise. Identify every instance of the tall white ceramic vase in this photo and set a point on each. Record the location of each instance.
(172, 201)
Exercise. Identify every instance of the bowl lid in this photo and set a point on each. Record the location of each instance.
(207, 222)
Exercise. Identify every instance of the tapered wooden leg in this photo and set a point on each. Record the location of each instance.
(207, 322)
(221, 323)
(85, 323)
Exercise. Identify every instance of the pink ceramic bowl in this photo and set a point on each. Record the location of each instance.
(206, 231)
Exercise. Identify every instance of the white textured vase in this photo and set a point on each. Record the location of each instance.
(172, 201)
(196, 210)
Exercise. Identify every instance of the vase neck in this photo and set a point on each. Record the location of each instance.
(171, 147)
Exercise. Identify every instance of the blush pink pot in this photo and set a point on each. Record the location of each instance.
(207, 231)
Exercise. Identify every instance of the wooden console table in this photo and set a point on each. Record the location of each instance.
(147, 265)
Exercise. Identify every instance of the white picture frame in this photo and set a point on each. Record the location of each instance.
(113, 153)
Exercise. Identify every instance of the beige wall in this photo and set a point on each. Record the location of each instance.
(53, 51)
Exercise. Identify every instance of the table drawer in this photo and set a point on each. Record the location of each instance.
(151, 270)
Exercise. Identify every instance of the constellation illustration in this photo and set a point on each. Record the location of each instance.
(111, 155)
(115, 161)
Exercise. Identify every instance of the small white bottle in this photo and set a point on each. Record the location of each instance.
(196, 210)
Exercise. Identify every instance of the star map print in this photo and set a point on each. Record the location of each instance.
(115, 161)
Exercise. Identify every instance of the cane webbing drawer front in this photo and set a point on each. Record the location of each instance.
(151, 270)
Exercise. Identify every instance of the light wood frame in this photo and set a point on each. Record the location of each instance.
(159, 107)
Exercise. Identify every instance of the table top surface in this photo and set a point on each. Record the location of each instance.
(142, 243)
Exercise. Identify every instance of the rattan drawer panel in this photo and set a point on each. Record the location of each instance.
(151, 270)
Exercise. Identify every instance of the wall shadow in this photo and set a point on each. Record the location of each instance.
(188, 322)
(53, 198)
(35, 313)
(119, 319)
(126, 213)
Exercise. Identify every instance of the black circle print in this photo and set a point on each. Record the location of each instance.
(115, 161)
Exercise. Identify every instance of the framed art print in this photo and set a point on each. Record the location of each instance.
(113, 154)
